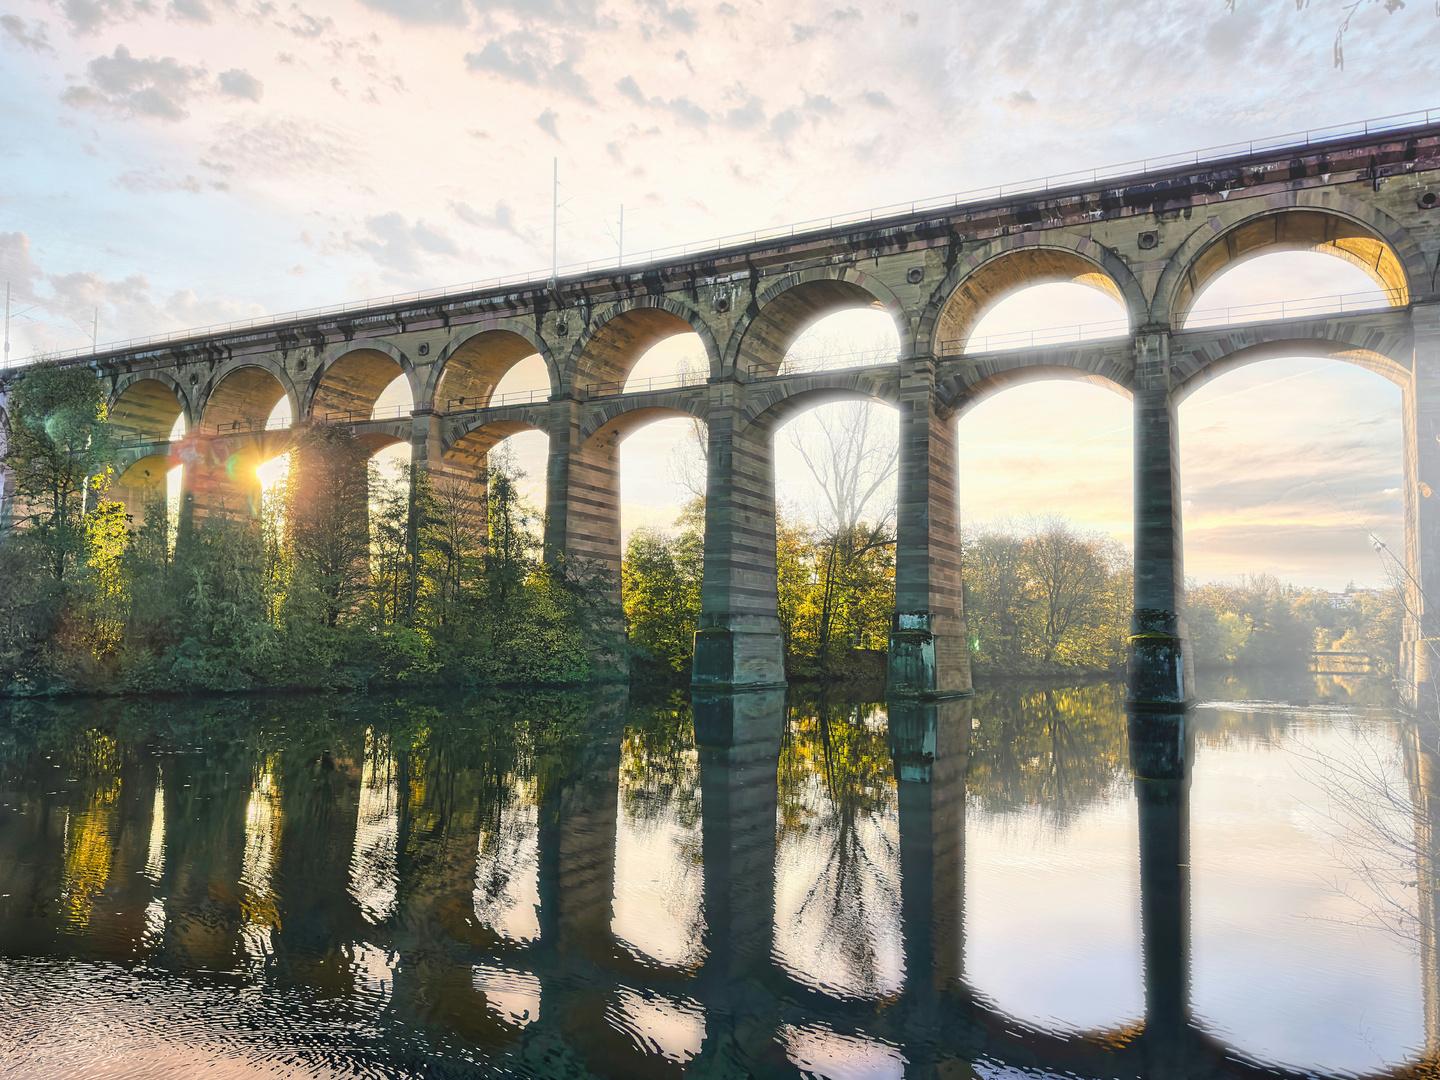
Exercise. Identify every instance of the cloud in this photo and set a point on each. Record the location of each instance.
(878, 98)
(1020, 99)
(679, 18)
(684, 110)
(514, 58)
(191, 11)
(278, 146)
(153, 87)
(784, 124)
(87, 16)
(62, 306)
(151, 180)
(546, 123)
(459, 12)
(502, 219)
(241, 84)
(34, 40)
(422, 12)
(398, 246)
(307, 25)
(747, 116)
(819, 103)
(17, 265)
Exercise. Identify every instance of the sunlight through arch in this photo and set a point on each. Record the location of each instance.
(1285, 465)
(1284, 284)
(274, 472)
(859, 337)
(1047, 314)
(527, 451)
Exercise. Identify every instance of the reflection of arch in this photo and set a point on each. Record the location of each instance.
(1014, 263)
(966, 397)
(1305, 348)
(473, 363)
(150, 471)
(617, 338)
(609, 432)
(354, 375)
(148, 406)
(782, 312)
(471, 447)
(245, 396)
(1352, 231)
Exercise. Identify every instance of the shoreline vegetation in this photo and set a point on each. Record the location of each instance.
(318, 588)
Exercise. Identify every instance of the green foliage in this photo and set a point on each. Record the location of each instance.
(1263, 622)
(60, 450)
(1057, 749)
(1046, 599)
(836, 593)
(660, 579)
(327, 522)
(317, 590)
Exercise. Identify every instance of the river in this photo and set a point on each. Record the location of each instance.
(617, 884)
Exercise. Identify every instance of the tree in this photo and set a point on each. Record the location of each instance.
(660, 583)
(997, 593)
(392, 565)
(60, 451)
(327, 519)
(851, 454)
(513, 551)
(1069, 576)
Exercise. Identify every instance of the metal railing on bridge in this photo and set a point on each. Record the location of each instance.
(1139, 167)
(360, 416)
(1198, 319)
(234, 427)
(514, 397)
(641, 386)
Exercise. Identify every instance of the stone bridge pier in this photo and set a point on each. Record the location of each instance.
(738, 643)
(1160, 667)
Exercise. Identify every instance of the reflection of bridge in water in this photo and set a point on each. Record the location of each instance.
(242, 866)
(1152, 241)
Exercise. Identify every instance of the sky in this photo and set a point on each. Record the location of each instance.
(172, 164)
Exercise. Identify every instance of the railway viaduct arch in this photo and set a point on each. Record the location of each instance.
(1151, 241)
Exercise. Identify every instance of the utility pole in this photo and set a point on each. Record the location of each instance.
(621, 241)
(7, 324)
(555, 227)
(95, 331)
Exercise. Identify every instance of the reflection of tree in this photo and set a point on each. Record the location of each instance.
(659, 770)
(1058, 749)
(1379, 819)
(837, 794)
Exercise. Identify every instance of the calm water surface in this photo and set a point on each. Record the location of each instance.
(599, 885)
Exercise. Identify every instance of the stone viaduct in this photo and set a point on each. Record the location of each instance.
(1151, 241)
